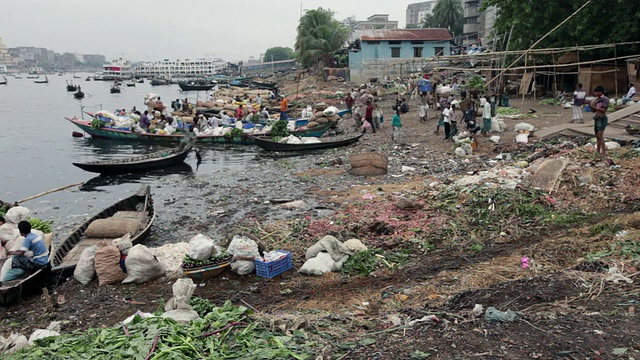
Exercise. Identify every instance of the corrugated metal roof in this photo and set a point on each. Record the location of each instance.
(408, 34)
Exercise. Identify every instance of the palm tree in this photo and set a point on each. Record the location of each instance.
(446, 14)
(319, 36)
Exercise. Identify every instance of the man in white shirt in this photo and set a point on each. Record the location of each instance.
(447, 113)
(486, 116)
(422, 112)
(224, 118)
(630, 94)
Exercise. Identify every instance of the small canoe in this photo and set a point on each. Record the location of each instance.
(131, 84)
(115, 90)
(4, 81)
(155, 160)
(45, 81)
(269, 145)
(195, 87)
(139, 206)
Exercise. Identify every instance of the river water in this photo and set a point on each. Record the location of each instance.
(38, 151)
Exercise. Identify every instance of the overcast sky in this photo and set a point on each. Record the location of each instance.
(153, 30)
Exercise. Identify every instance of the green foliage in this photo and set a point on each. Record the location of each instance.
(600, 22)
(319, 36)
(626, 250)
(550, 102)
(279, 129)
(605, 229)
(476, 82)
(362, 262)
(447, 14)
(234, 133)
(44, 226)
(508, 111)
(223, 332)
(97, 124)
(278, 53)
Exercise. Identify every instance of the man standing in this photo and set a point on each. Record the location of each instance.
(446, 118)
(33, 243)
(578, 99)
(144, 120)
(349, 100)
(600, 105)
(368, 115)
(259, 100)
(486, 116)
(284, 109)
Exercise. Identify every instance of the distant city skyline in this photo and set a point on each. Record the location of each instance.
(145, 30)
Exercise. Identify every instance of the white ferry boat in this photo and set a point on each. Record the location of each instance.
(180, 67)
(118, 70)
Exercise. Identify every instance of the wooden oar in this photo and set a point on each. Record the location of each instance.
(49, 192)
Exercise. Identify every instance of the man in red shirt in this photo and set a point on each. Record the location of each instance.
(349, 102)
(368, 115)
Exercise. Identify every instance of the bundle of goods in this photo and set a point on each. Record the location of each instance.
(326, 115)
(204, 260)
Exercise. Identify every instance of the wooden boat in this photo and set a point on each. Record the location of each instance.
(140, 81)
(4, 82)
(138, 206)
(126, 135)
(11, 291)
(155, 160)
(131, 84)
(71, 87)
(269, 145)
(45, 81)
(88, 78)
(263, 85)
(76, 76)
(78, 95)
(196, 86)
(115, 90)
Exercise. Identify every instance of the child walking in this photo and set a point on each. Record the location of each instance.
(397, 126)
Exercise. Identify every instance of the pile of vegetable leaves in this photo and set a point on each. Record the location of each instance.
(225, 332)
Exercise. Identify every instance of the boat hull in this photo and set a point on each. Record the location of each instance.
(136, 164)
(269, 145)
(124, 135)
(187, 87)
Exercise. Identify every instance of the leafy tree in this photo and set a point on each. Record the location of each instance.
(446, 14)
(319, 36)
(279, 53)
(600, 22)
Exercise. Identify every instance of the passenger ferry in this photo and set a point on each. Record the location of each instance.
(118, 70)
(181, 67)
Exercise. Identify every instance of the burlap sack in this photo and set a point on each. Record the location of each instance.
(107, 262)
(333, 118)
(312, 124)
(322, 120)
(368, 164)
(112, 228)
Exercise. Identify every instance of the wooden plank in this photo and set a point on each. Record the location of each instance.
(526, 83)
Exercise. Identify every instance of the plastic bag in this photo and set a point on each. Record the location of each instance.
(85, 270)
(142, 265)
(243, 248)
(201, 247)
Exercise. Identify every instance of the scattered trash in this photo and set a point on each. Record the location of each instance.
(477, 310)
(429, 318)
(493, 315)
(525, 262)
(407, 169)
(367, 196)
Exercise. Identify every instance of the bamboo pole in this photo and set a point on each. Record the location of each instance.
(49, 192)
(615, 79)
(543, 37)
(524, 91)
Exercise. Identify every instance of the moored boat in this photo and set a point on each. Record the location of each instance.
(115, 89)
(138, 207)
(45, 81)
(127, 135)
(270, 145)
(160, 159)
(4, 81)
(184, 86)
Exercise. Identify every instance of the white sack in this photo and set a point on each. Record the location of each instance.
(201, 247)
(522, 138)
(523, 126)
(142, 265)
(123, 244)
(329, 244)
(182, 291)
(611, 145)
(41, 334)
(85, 270)
(322, 263)
(17, 214)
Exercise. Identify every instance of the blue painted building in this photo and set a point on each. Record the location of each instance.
(380, 50)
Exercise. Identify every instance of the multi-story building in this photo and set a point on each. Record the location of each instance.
(5, 58)
(417, 12)
(477, 24)
(373, 22)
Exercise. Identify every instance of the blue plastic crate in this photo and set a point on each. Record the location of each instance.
(274, 268)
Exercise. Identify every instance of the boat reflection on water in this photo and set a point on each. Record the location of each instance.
(100, 181)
